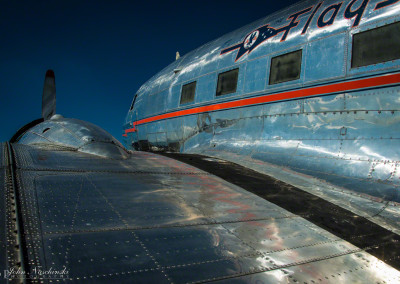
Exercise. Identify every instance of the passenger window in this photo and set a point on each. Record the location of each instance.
(188, 92)
(376, 46)
(227, 82)
(286, 67)
(133, 102)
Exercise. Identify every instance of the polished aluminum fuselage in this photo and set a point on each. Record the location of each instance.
(75, 201)
(334, 128)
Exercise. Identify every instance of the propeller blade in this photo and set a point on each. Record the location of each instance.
(49, 96)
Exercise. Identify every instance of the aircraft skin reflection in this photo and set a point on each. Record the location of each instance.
(314, 104)
(79, 207)
(335, 116)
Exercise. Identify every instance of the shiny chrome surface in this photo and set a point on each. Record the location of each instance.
(383, 213)
(357, 172)
(340, 145)
(148, 219)
(100, 213)
(74, 134)
(3, 237)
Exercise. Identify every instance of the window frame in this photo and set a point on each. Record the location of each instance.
(283, 54)
(364, 31)
(194, 94)
(218, 81)
(374, 68)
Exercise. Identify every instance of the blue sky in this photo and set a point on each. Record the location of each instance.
(101, 51)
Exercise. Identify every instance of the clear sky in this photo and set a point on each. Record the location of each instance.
(102, 51)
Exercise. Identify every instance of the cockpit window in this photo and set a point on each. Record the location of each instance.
(133, 102)
(376, 46)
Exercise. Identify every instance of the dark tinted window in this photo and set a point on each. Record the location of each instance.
(188, 91)
(227, 82)
(376, 46)
(286, 67)
(133, 102)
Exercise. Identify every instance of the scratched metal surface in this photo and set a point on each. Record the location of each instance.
(175, 224)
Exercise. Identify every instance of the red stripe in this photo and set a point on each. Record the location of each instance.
(321, 90)
(130, 130)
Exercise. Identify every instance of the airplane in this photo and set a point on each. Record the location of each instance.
(269, 155)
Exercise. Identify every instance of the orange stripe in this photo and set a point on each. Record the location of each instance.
(130, 130)
(321, 90)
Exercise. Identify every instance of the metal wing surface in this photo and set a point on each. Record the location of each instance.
(153, 219)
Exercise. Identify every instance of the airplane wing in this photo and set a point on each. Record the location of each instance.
(149, 218)
(3, 246)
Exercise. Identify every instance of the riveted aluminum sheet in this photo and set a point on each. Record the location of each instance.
(101, 256)
(109, 201)
(381, 212)
(40, 159)
(3, 227)
(174, 247)
(2, 155)
(152, 219)
(325, 271)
